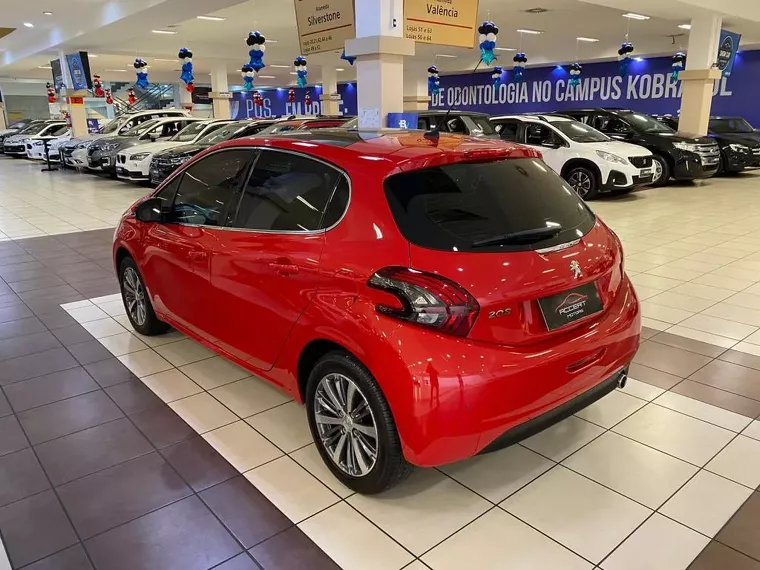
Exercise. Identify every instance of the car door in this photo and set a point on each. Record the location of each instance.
(507, 129)
(178, 251)
(544, 138)
(266, 272)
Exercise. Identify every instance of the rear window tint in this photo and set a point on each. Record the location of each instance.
(454, 206)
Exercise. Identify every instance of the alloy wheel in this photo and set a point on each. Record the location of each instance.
(346, 425)
(580, 182)
(134, 296)
(656, 170)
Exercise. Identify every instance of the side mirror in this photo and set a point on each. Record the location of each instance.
(551, 144)
(153, 137)
(150, 210)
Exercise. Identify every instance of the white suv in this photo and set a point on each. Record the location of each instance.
(590, 161)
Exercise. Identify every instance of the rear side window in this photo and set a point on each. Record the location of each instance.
(456, 207)
(287, 192)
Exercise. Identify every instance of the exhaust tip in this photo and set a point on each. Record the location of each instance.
(622, 379)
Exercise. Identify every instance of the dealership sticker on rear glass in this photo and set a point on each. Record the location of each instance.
(569, 306)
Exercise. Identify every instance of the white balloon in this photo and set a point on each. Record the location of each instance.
(481, 38)
(491, 37)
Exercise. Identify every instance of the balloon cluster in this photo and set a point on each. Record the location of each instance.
(487, 38)
(186, 59)
(301, 70)
(307, 98)
(434, 80)
(248, 74)
(349, 58)
(257, 44)
(519, 60)
(291, 95)
(625, 53)
(141, 68)
(575, 73)
(50, 92)
(97, 86)
(678, 65)
(109, 99)
(496, 75)
(131, 97)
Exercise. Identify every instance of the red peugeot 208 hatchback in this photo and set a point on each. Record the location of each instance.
(428, 298)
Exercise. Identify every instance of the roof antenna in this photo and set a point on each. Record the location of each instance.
(434, 133)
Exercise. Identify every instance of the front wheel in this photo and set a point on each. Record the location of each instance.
(352, 425)
(136, 301)
(660, 170)
(584, 181)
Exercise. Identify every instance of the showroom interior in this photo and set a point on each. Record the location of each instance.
(379, 285)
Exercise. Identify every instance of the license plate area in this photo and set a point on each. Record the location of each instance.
(570, 306)
(645, 172)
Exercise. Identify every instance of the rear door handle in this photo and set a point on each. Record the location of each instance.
(284, 267)
(197, 255)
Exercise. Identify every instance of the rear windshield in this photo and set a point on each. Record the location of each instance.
(458, 207)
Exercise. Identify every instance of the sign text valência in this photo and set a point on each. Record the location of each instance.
(611, 88)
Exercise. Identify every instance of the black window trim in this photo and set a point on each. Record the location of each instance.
(239, 192)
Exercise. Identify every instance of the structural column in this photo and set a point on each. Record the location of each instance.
(329, 104)
(699, 76)
(416, 97)
(380, 48)
(220, 95)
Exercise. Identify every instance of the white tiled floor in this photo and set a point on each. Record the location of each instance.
(640, 480)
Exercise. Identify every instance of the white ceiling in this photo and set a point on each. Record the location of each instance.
(117, 43)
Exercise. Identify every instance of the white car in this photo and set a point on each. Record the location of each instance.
(117, 126)
(590, 161)
(133, 164)
(16, 145)
(35, 146)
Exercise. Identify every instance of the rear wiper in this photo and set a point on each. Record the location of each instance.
(534, 234)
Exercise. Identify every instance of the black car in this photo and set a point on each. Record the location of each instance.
(736, 152)
(675, 156)
(167, 161)
(735, 130)
(460, 122)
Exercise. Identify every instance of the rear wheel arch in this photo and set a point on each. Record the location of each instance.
(309, 357)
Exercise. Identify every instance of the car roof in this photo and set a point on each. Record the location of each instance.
(452, 112)
(536, 118)
(398, 149)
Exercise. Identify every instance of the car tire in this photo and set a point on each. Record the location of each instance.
(584, 181)
(660, 164)
(137, 301)
(327, 404)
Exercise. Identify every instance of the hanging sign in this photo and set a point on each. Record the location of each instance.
(324, 25)
(442, 22)
(727, 49)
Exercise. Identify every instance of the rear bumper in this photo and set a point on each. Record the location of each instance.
(465, 394)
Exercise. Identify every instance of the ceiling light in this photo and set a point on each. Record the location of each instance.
(293, 73)
(92, 55)
(277, 65)
(339, 69)
(638, 59)
(163, 32)
(264, 76)
(529, 31)
(47, 13)
(212, 18)
(44, 67)
(685, 26)
(633, 16)
(582, 39)
(271, 41)
(445, 55)
(505, 49)
(28, 24)
(117, 70)
(163, 59)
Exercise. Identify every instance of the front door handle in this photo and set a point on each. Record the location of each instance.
(197, 255)
(284, 267)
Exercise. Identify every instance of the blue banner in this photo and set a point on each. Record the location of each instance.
(275, 102)
(77, 71)
(728, 47)
(648, 88)
(402, 120)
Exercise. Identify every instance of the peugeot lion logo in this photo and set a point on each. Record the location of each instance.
(575, 267)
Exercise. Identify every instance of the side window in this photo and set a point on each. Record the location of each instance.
(455, 125)
(286, 192)
(611, 125)
(538, 134)
(338, 204)
(507, 130)
(208, 187)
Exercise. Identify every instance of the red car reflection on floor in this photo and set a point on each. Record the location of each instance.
(404, 286)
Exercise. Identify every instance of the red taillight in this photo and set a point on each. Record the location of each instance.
(426, 299)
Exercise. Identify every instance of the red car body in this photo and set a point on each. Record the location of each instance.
(274, 302)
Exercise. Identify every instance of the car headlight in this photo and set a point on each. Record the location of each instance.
(109, 146)
(611, 157)
(738, 147)
(180, 159)
(686, 146)
(139, 156)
